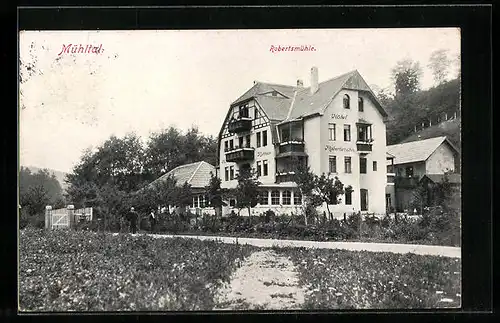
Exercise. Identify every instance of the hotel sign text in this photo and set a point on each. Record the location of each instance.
(334, 149)
(339, 116)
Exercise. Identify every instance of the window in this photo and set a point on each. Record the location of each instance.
(265, 168)
(347, 164)
(333, 164)
(263, 197)
(297, 198)
(374, 165)
(195, 201)
(275, 197)
(331, 131)
(347, 132)
(258, 139)
(287, 198)
(232, 202)
(364, 132)
(231, 144)
(274, 93)
(244, 111)
(202, 200)
(348, 197)
(333, 199)
(226, 177)
(231, 172)
(248, 142)
(256, 113)
(347, 102)
(362, 165)
(240, 142)
(360, 104)
(409, 171)
(364, 199)
(264, 138)
(226, 145)
(259, 171)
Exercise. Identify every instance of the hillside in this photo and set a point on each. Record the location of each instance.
(450, 129)
(58, 174)
(421, 109)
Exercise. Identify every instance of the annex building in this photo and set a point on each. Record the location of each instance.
(336, 127)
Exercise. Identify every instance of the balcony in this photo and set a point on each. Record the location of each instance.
(282, 177)
(240, 125)
(406, 182)
(365, 145)
(240, 154)
(291, 148)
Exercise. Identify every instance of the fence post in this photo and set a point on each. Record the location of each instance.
(71, 215)
(48, 218)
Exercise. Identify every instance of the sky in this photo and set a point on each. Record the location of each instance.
(146, 81)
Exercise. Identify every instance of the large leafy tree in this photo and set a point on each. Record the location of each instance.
(439, 63)
(406, 76)
(118, 162)
(170, 148)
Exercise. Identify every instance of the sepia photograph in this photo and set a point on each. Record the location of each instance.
(239, 170)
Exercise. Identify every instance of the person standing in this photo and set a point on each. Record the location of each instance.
(133, 217)
(152, 221)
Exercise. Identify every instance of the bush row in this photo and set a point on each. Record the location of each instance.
(435, 228)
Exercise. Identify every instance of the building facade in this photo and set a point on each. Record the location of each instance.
(413, 160)
(335, 127)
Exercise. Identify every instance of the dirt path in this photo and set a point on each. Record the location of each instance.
(265, 280)
(443, 251)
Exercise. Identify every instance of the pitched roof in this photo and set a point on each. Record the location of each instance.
(299, 102)
(196, 174)
(415, 151)
(438, 178)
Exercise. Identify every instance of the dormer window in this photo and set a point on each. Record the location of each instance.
(347, 102)
(243, 111)
(274, 93)
(360, 104)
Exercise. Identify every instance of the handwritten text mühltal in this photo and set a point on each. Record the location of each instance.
(81, 49)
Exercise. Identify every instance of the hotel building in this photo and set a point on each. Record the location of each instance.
(336, 127)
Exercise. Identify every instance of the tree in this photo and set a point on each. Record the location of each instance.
(170, 148)
(406, 76)
(247, 190)
(317, 190)
(439, 63)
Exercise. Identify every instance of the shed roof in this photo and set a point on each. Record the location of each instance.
(416, 151)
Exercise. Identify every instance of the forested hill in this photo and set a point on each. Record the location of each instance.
(450, 129)
(60, 176)
(425, 113)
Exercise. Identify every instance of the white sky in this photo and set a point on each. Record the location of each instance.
(148, 80)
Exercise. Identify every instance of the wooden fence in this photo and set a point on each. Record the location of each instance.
(66, 218)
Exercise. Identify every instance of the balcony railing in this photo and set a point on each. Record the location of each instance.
(364, 145)
(239, 125)
(240, 154)
(406, 182)
(282, 177)
(291, 148)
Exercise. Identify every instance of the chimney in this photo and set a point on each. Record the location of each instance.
(314, 80)
(300, 83)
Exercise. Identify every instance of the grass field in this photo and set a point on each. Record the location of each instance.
(87, 271)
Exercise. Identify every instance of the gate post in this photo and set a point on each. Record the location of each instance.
(48, 218)
(71, 215)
